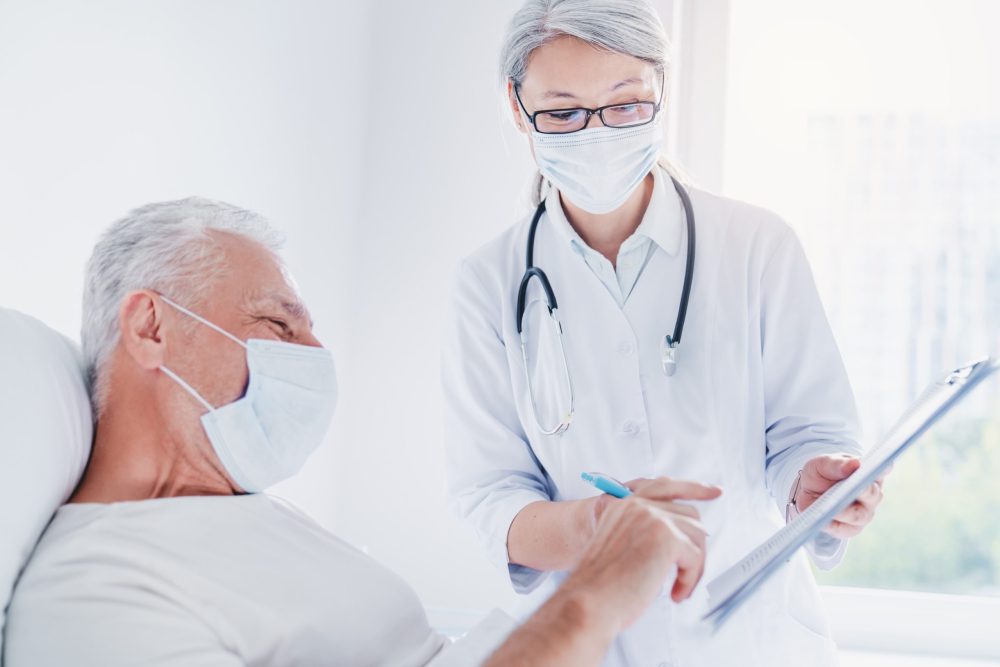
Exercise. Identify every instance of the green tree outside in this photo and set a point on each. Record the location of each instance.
(938, 528)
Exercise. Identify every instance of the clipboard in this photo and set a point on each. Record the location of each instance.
(731, 588)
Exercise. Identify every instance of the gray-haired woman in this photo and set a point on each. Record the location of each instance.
(565, 354)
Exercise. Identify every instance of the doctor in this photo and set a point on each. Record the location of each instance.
(635, 326)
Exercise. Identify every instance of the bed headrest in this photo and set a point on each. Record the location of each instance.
(45, 436)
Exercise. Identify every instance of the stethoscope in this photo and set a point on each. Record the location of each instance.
(668, 346)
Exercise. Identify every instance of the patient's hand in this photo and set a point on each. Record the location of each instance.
(637, 542)
(635, 546)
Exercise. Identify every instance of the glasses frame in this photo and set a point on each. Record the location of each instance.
(599, 111)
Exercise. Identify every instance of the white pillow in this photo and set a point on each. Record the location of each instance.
(45, 436)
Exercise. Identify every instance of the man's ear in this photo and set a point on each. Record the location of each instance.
(140, 324)
(515, 108)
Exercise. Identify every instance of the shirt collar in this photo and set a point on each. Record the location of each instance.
(661, 222)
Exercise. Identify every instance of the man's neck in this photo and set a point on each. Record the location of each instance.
(135, 457)
(606, 232)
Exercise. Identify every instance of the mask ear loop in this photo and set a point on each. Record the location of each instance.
(188, 388)
(176, 378)
(204, 321)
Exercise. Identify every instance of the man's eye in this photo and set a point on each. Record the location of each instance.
(283, 325)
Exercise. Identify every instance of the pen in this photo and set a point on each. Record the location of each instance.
(606, 484)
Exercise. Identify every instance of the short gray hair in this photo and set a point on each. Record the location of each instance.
(630, 27)
(167, 247)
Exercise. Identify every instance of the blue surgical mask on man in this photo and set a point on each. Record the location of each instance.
(267, 435)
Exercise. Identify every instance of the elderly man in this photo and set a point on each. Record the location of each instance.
(209, 386)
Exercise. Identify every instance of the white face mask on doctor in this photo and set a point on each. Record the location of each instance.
(598, 168)
(267, 435)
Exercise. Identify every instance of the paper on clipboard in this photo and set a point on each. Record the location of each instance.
(728, 590)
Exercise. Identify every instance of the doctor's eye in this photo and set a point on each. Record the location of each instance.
(623, 115)
(561, 120)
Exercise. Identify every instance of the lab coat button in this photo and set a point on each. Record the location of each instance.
(625, 348)
(630, 427)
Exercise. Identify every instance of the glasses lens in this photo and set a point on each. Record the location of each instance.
(563, 120)
(625, 115)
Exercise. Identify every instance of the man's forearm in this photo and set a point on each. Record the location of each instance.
(568, 630)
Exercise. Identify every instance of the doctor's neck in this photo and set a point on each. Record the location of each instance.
(605, 232)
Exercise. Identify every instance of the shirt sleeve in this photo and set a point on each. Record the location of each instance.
(492, 472)
(809, 405)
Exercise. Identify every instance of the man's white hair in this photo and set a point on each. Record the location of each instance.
(167, 247)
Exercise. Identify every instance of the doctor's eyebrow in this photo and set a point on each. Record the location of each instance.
(567, 95)
(626, 82)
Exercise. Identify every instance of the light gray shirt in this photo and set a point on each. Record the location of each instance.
(220, 581)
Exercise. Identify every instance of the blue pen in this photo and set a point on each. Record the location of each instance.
(606, 484)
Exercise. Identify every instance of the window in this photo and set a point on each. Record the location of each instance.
(873, 127)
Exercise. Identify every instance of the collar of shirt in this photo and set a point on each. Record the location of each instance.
(660, 227)
(661, 223)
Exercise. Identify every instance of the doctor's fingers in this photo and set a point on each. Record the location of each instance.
(871, 496)
(665, 488)
(862, 510)
(855, 514)
(841, 530)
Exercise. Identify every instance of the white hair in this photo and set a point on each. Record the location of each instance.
(629, 27)
(166, 247)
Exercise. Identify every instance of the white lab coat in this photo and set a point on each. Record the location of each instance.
(760, 389)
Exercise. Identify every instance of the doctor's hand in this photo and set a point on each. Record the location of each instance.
(822, 472)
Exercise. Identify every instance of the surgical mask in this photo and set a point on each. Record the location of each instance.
(267, 435)
(598, 168)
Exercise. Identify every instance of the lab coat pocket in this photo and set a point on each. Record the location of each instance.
(807, 626)
(803, 645)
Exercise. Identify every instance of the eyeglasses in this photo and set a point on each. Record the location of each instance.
(564, 121)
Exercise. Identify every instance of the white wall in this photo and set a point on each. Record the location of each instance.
(444, 173)
(108, 105)
(372, 133)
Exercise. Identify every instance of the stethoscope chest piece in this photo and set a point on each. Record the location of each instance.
(668, 355)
